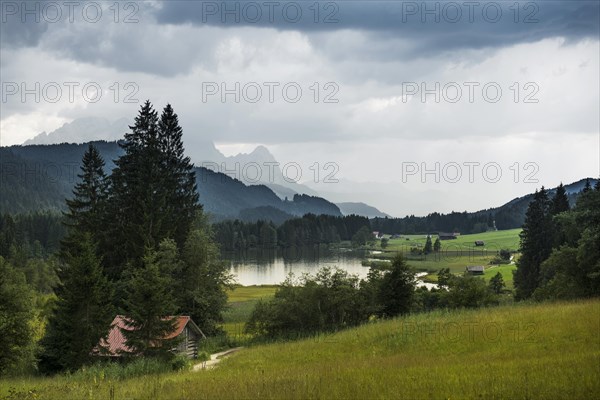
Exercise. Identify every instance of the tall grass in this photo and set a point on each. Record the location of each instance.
(524, 351)
(132, 369)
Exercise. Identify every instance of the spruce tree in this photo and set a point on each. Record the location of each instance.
(83, 311)
(560, 202)
(153, 193)
(86, 208)
(180, 179)
(428, 245)
(437, 245)
(150, 301)
(535, 246)
(135, 200)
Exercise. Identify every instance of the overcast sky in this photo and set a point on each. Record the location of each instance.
(514, 87)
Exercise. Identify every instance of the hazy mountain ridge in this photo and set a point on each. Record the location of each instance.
(41, 177)
(348, 208)
(82, 130)
(512, 213)
(203, 153)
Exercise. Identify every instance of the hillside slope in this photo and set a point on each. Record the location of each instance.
(541, 351)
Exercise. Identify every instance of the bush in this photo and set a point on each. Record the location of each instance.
(180, 362)
(328, 301)
(203, 356)
(468, 292)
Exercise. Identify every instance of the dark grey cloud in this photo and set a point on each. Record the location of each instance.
(396, 30)
(436, 25)
(16, 31)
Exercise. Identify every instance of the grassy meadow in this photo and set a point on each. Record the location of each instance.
(495, 240)
(455, 254)
(541, 351)
(241, 301)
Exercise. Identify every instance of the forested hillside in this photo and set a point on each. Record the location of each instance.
(41, 177)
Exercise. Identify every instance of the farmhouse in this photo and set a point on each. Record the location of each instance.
(185, 329)
(475, 269)
(447, 236)
(479, 243)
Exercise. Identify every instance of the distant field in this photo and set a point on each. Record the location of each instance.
(455, 254)
(508, 239)
(245, 293)
(241, 302)
(537, 351)
(505, 270)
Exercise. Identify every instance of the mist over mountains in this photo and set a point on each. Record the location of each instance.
(40, 178)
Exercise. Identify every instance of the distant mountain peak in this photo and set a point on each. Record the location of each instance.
(82, 130)
(260, 149)
(361, 209)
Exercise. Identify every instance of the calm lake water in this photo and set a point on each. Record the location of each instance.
(268, 267)
(271, 267)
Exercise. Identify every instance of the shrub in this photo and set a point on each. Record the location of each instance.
(180, 362)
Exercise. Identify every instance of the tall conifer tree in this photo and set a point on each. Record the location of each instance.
(149, 300)
(153, 194)
(82, 314)
(560, 201)
(83, 309)
(535, 246)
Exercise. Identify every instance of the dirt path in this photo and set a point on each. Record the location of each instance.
(215, 359)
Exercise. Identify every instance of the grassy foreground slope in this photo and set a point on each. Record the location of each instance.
(540, 351)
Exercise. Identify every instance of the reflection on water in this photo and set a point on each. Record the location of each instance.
(268, 267)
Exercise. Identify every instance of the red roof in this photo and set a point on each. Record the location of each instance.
(116, 344)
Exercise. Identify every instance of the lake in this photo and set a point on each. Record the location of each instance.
(270, 267)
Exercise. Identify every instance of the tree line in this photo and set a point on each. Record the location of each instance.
(307, 230)
(435, 222)
(560, 246)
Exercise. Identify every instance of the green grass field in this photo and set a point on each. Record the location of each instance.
(525, 351)
(494, 241)
(246, 293)
(455, 254)
(241, 301)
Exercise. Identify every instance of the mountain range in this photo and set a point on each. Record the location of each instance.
(41, 173)
(41, 177)
(259, 167)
